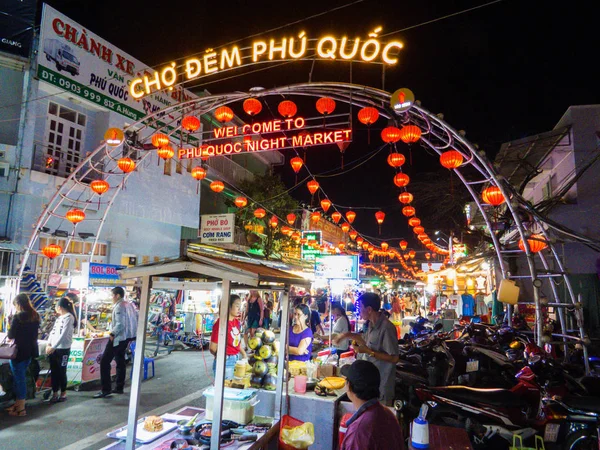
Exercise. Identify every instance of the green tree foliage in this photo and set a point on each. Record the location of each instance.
(268, 192)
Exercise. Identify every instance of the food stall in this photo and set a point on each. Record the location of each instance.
(228, 274)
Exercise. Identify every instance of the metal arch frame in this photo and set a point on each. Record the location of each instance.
(437, 135)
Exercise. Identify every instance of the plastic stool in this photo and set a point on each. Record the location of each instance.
(147, 362)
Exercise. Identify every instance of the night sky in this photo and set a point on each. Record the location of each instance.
(501, 72)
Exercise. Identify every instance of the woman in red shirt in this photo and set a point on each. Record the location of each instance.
(234, 338)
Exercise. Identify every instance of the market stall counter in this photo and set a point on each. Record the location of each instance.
(309, 407)
(84, 360)
(175, 433)
(234, 273)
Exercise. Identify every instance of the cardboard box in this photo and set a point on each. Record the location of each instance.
(326, 370)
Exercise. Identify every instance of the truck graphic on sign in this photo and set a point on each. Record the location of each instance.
(62, 55)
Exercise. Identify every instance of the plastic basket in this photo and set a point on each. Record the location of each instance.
(287, 421)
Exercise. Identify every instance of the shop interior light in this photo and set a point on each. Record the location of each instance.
(485, 265)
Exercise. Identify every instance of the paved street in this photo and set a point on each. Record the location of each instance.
(82, 422)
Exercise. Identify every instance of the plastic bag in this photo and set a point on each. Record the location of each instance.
(300, 437)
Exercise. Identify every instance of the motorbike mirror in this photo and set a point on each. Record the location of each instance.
(534, 359)
(438, 327)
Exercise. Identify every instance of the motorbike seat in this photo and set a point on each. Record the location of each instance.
(591, 404)
(496, 397)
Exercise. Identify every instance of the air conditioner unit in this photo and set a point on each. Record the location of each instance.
(4, 168)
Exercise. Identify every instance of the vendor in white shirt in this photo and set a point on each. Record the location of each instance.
(59, 347)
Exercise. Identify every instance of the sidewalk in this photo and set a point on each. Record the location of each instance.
(81, 423)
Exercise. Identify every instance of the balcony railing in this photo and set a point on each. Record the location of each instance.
(58, 162)
(231, 171)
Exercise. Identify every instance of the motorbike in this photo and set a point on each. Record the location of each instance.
(532, 406)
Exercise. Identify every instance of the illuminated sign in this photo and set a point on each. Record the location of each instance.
(254, 140)
(311, 249)
(402, 100)
(265, 50)
(337, 267)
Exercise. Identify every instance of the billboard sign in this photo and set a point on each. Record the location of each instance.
(337, 267)
(17, 20)
(217, 228)
(312, 248)
(76, 60)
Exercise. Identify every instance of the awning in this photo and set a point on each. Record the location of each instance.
(214, 269)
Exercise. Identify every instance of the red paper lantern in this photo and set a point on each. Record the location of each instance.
(427, 256)
(75, 215)
(389, 135)
(52, 251)
(414, 221)
(224, 114)
(165, 152)
(315, 216)
(412, 254)
(401, 179)
(403, 244)
(341, 246)
(418, 229)
(160, 140)
(325, 105)
(259, 213)
(285, 230)
(252, 106)
(353, 234)
(99, 186)
(217, 186)
(350, 216)
(365, 245)
(287, 108)
(199, 173)
(368, 115)
(396, 159)
(384, 246)
(291, 218)
(451, 159)
(190, 123)
(126, 164)
(240, 202)
(379, 217)
(406, 198)
(359, 241)
(422, 237)
(296, 164)
(336, 216)
(312, 186)
(273, 221)
(325, 204)
(408, 211)
(410, 134)
(493, 196)
(345, 227)
(536, 242)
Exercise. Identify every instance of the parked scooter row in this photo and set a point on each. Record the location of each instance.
(544, 401)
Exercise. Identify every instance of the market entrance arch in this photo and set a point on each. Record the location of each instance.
(544, 267)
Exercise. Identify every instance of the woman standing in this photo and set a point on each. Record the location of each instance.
(24, 330)
(59, 347)
(254, 312)
(234, 338)
(301, 336)
(340, 326)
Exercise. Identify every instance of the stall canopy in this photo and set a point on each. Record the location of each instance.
(196, 270)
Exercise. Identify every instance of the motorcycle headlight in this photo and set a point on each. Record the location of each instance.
(516, 345)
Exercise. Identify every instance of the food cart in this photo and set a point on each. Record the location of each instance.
(228, 274)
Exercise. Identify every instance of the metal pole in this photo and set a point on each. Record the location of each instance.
(220, 373)
(283, 337)
(140, 345)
